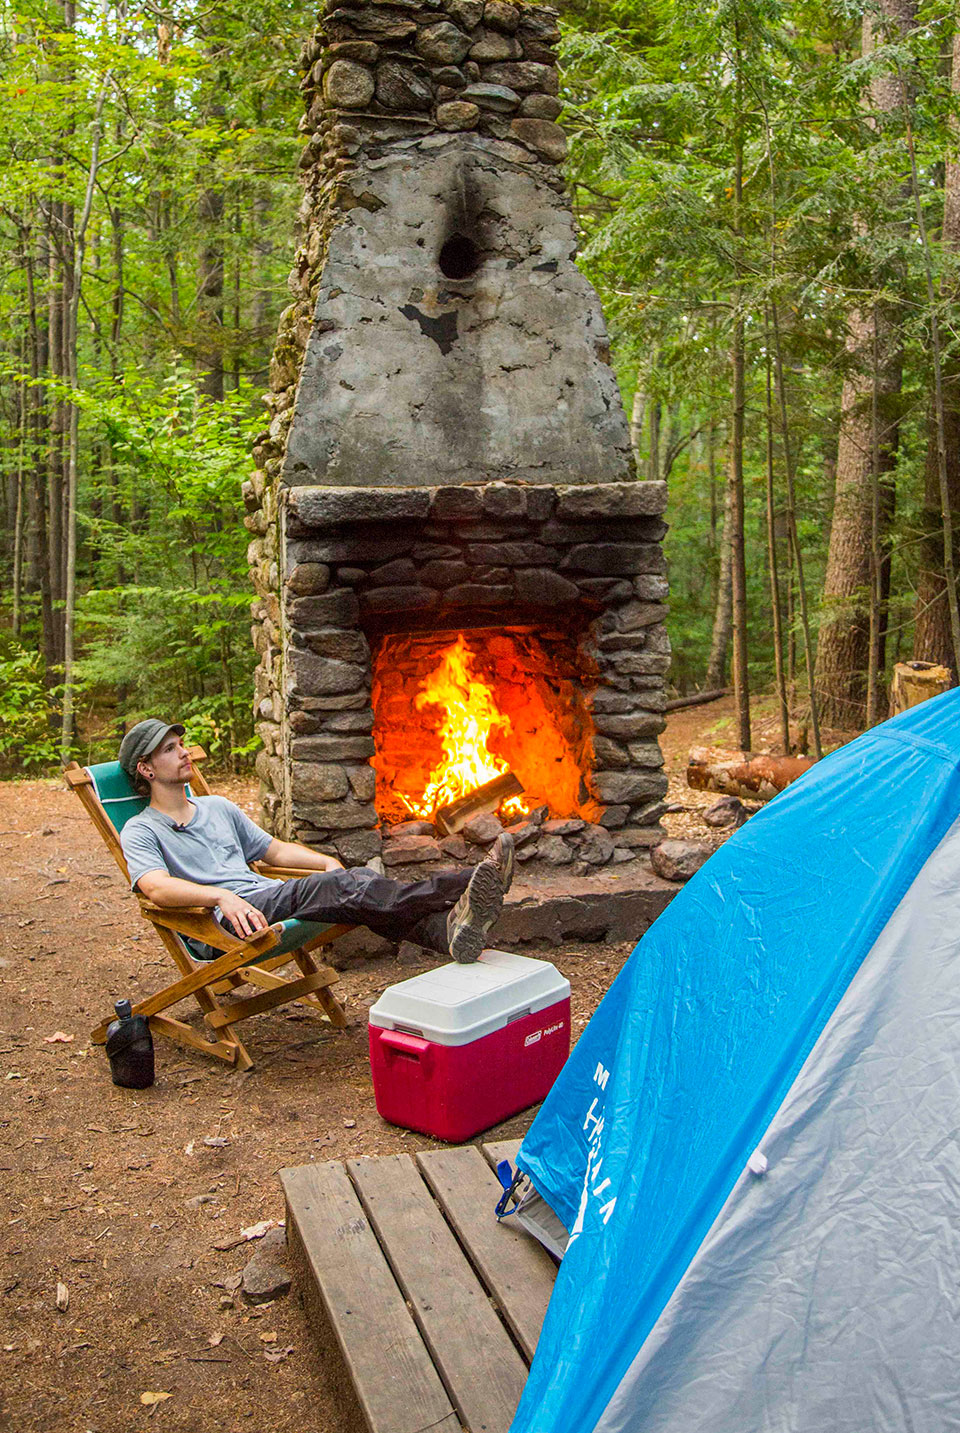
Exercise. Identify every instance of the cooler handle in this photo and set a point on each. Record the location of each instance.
(400, 1044)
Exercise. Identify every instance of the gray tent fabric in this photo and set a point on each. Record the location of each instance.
(826, 1296)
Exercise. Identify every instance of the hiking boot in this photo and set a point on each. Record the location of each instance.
(475, 912)
(501, 854)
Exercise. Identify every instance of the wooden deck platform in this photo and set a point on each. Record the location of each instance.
(427, 1310)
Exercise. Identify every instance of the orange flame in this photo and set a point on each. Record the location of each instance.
(471, 719)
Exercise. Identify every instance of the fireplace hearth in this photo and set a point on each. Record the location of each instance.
(457, 572)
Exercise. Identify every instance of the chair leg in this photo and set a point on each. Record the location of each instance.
(332, 1007)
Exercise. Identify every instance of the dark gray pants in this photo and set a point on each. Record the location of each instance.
(396, 910)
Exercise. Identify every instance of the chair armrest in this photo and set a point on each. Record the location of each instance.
(198, 923)
(283, 873)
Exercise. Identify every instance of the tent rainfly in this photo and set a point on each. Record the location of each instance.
(756, 1142)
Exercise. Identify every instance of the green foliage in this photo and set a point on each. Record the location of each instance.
(27, 744)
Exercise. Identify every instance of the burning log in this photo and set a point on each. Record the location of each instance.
(741, 773)
(455, 815)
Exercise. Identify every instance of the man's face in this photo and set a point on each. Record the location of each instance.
(168, 763)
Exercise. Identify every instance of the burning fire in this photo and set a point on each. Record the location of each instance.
(471, 718)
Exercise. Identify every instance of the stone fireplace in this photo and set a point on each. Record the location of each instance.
(457, 572)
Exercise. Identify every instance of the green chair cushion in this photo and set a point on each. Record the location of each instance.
(295, 934)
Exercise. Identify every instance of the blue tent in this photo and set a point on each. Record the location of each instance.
(756, 1142)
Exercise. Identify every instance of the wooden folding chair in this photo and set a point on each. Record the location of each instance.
(192, 937)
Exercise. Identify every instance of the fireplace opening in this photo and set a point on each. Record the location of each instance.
(455, 710)
(459, 257)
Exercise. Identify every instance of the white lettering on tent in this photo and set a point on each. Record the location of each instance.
(607, 1209)
(595, 1120)
(593, 1126)
(601, 1076)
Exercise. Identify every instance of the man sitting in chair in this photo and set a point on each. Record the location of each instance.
(195, 851)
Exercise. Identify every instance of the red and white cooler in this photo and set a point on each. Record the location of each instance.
(462, 1047)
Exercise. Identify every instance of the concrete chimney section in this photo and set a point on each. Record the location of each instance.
(447, 450)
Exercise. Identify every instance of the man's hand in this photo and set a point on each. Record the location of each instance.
(244, 917)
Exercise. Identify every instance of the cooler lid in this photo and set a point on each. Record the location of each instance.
(455, 1004)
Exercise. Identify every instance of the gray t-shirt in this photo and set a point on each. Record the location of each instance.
(213, 849)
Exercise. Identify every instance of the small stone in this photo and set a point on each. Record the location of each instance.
(392, 574)
(266, 1277)
(595, 845)
(522, 832)
(409, 828)
(728, 811)
(442, 44)
(198, 1200)
(563, 826)
(383, 23)
(679, 860)
(398, 88)
(610, 754)
(324, 676)
(450, 77)
(614, 559)
(443, 573)
(640, 837)
(614, 816)
(407, 850)
(330, 609)
(623, 787)
(546, 138)
(455, 847)
(493, 46)
(482, 830)
(499, 98)
(524, 75)
(347, 85)
(650, 588)
(365, 52)
(542, 587)
(554, 850)
(322, 507)
(591, 500)
(620, 855)
(398, 599)
(333, 642)
(363, 782)
(539, 106)
(331, 747)
(467, 13)
(474, 594)
(455, 503)
(308, 579)
(457, 115)
(501, 15)
(504, 500)
(357, 847)
(319, 782)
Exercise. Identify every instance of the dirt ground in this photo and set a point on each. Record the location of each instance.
(114, 1193)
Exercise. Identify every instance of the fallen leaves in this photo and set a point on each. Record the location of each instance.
(253, 1231)
(277, 1355)
(59, 1037)
(150, 1400)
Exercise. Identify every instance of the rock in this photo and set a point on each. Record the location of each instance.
(614, 559)
(450, 77)
(331, 747)
(467, 13)
(595, 845)
(398, 88)
(554, 850)
(679, 860)
(392, 574)
(323, 507)
(640, 837)
(383, 23)
(363, 782)
(522, 832)
(563, 826)
(614, 816)
(319, 782)
(457, 115)
(499, 98)
(623, 787)
(324, 676)
(266, 1276)
(333, 642)
(409, 828)
(308, 579)
(634, 616)
(330, 609)
(728, 811)
(546, 138)
(610, 754)
(542, 587)
(501, 15)
(347, 85)
(645, 753)
(650, 588)
(443, 573)
(482, 830)
(406, 850)
(365, 52)
(493, 46)
(199, 1199)
(350, 721)
(455, 847)
(442, 44)
(540, 106)
(524, 75)
(504, 500)
(605, 589)
(355, 848)
(590, 500)
(541, 23)
(620, 855)
(455, 503)
(398, 599)
(475, 594)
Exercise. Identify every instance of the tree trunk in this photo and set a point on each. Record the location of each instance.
(932, 640)
(723, 615)
(872, 342)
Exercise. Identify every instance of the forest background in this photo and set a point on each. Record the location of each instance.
(768, 200)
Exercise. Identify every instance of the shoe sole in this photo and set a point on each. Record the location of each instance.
(503, 858)
(483, 903)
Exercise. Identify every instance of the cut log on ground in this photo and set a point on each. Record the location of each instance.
(455, 815)
(742, 773)
(914, 682)
(697, 700)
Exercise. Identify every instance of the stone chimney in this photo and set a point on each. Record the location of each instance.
(448, 453)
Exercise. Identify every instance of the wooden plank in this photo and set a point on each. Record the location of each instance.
(497, 1149)
(395, 1382)
(279, 994)
(475, 1356)
(517, 1271)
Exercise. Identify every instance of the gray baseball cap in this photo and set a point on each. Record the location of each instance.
(143, 738)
